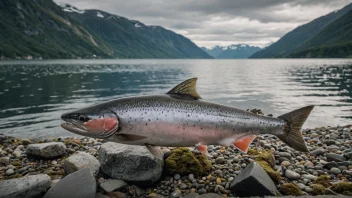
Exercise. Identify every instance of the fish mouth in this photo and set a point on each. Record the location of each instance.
(74, 126)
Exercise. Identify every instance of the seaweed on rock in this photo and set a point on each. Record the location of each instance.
(343, 188)
(182, 161)
(291, 189)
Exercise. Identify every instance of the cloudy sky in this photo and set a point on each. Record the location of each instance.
(220, 22)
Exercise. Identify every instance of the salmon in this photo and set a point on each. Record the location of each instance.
(180, 118)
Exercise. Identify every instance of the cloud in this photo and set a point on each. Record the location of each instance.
(225, 22)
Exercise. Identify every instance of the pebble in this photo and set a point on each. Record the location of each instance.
(335, 170)
(285, 154)
(227, 163)
(220, 160)
(285, 163)
(335, 157)
(292, 175)
(301, 186)
(4, 160)
(10, 172)
(318, 152)
(191, 177)
(310, 177)
(177, 176)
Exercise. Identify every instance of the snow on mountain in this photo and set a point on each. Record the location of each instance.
(69, 8)
(232, 51)
(100, 15)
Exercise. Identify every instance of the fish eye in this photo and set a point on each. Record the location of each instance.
(82, 118)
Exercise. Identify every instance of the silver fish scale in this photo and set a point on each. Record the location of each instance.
(166, 121)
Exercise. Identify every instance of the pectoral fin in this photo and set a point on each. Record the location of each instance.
(130, 137)
(154, 151)
(243, 143)
(202, 148)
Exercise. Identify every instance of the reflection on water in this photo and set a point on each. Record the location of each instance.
(33, 94)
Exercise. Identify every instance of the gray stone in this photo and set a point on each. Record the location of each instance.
(9, 172)
(292, 175)
(130, 163)
(78, 184)
(335, 157)
(285, 154)
(112, 185)
(47, 150)
(301, 186)
(220, 160)
(335, 170)
(318, 152)
(27, 186)
(4, 160)
(253, 175)
(191, 177)
(177, 176)
(79, 161)
(310, 177)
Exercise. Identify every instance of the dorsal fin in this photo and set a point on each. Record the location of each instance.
(186, 89)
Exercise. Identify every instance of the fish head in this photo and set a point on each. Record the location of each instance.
(91, 122)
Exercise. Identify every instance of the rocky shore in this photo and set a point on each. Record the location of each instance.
(88, 167)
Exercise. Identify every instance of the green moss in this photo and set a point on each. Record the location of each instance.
(323, 180)
(16, 163)
(252, 151)
(291, 189)
(275, 176)
(183, 161)
(343, 188)
(266, 156)
(318, 189)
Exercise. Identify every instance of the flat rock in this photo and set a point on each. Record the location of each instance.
(78, 184)
(47, 150)
(130, 163)
(112, 185)
(292, 175)
(335, 157)
(27, 186)
(253, 175)
(79, 161)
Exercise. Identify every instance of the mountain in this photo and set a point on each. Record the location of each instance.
(232, 51)
(294, 40)
(133, 39)
(335, 41)
(41, 28)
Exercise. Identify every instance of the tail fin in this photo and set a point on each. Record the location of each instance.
(292, 134)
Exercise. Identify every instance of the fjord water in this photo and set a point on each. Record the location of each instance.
(34, 94)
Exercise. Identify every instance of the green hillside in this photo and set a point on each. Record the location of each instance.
(294, 40)
(40, 28)
(334, 41)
